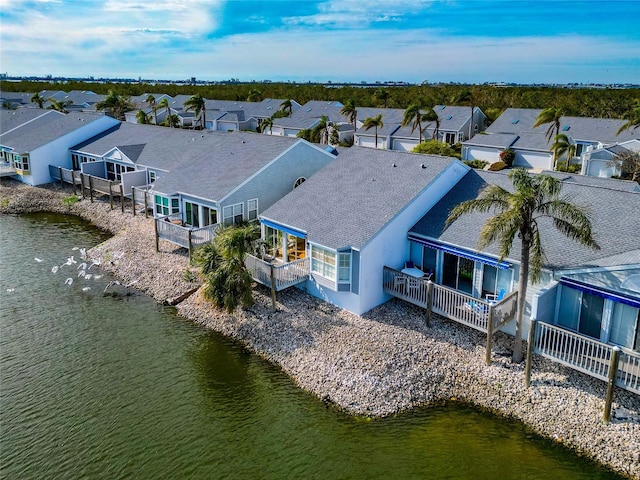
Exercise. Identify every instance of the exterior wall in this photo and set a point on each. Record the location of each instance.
(226, 126)
(57, 152)
(530, 159)
(402, 145)
(277, 179)
(595, 165)
(390, 247)
(370, 142)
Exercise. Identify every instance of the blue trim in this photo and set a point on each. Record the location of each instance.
(600, 292)
(460, 252)
(290, 231)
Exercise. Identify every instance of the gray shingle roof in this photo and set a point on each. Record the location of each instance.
(45, 129)
(615, 216)
(10, 119)
(350, 200)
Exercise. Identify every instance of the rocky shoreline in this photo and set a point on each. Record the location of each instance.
(377, 364)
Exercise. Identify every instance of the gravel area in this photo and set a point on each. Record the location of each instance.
(377, 364)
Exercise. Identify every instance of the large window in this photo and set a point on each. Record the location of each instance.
(21, 162)
(344, 267)
(323, 262)
(296, 247)
(115, 170)
(495, 279)
(210, 216)
(233, 214)
(273, 240)
(625, 326)
(191, 213)
(166, 206)
(457, 273)
(581, 312)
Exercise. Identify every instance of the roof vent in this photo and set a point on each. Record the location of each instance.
(242, 141)
(422, 165)
(514, 121)
(566, 128)
(393, 165)
(449, 117)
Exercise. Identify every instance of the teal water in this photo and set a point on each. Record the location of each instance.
(95, 386)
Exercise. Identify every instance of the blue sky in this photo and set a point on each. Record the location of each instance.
(475, 41)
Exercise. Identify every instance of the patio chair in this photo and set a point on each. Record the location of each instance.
(399, 283)
(479, 308)
(413, 284)
(408, 264)
(495, 298)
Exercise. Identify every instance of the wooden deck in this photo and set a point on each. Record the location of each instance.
(278, 275)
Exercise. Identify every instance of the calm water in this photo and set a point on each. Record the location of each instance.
(93, 386)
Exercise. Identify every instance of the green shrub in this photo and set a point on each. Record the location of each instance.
(479, 164)
(508, 156)
(572, 168)
(494, 167)
(68, 201)
(188, 276)
(435, 147)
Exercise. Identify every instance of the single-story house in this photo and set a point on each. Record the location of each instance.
(32, 147)
(598, 162)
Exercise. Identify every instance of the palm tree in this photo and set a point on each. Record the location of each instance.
(534, 197)
(375, 122)
(164, 103)
(198, 104)
(58, 106)
(551, 115)
(118, 105)
(381, 95)
(633, 120)
(562, 145)
(36, 98)
(142, 118)
(413, 116)
(255, 95)
(286, 105)
(320, 132)
(432, 117)
(151, 101)
(267, 123)
(229, 283)
(349, 111)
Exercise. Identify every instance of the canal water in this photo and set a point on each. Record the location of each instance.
(101, 386)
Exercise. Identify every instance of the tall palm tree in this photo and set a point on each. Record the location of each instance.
(267, 123)
(37, 99)
(517, 214)
(151, 101)
(320, 132)
(349, 110)
(164, 103)
(381, 95)
(142, 118)
(287, 105)
(229, 283)
(414, 117)
(198, 104)
(375, 122)
(118, 105)
(633, 120)
(255, 95)
(552, 116)
(58, 106)
(431, 116)
(562, 145)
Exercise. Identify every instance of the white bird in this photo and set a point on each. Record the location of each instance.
(87, 276)
(82, 266)
(74, 248)
(54, 269)
(95, 277)
(83, 253)
(71, 260)
(68, 281)
(11, 290)
(86, 289)
(38, 260)
(82, 273)
(93, 262)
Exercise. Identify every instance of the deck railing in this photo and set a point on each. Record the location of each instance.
(142, 196)
(170, 228)
(284, 275)
(587, 355)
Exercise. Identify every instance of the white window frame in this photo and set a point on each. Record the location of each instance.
(344, 268)
(232, 214)
(172, 206)
(252, 209)
(323, 262)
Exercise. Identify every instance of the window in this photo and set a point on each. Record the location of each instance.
(323, 262)
(191, 214)
(115, 170)
(495, 279)
(21, 162)
(581, 312)
(299, 182)
(152, 176)
(625, 326)
(162, 205)
(344, 267)
(296, 247)
(252, 209)
(450, 138)
(210, 216)
(273, 240)
(232, 214)
(457, 273)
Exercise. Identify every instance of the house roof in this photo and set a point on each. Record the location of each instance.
(45, 129)
(614, 213)
(349, 201)
(520, 121)
(10, 119)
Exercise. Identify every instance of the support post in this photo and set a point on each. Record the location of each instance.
(155, 227)
(91, 188)
(487, 356)
(146, 205)
(133, 200)
(272, 277)
(82, 185)
(530, 340)
(429, 301)
(190, 243)
(73, 182)
(110, 196)
(121, 199)
(611, 382)
(60, 173)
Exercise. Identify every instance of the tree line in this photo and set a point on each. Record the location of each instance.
(493, 100)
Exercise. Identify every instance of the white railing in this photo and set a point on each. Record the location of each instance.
(586, 355)
(284, 275)
(142, 196)
(460, 307)
(411, 289)
(170, 228)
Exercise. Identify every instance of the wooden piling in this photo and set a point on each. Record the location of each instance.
(487, 356)
(611, 382)
(133, 200)
(155, 226)
(273, 287)
(91, 188)
(110, 196)
(429, 301)
(530, 340)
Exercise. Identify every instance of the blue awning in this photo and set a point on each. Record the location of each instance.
(289, 230)
(460, 252)
(600, 292)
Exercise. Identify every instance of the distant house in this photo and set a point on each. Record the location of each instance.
(204, 178)
(31, 148)
(597, 162)
(351, 219)
(514, 129)
(308, 116)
